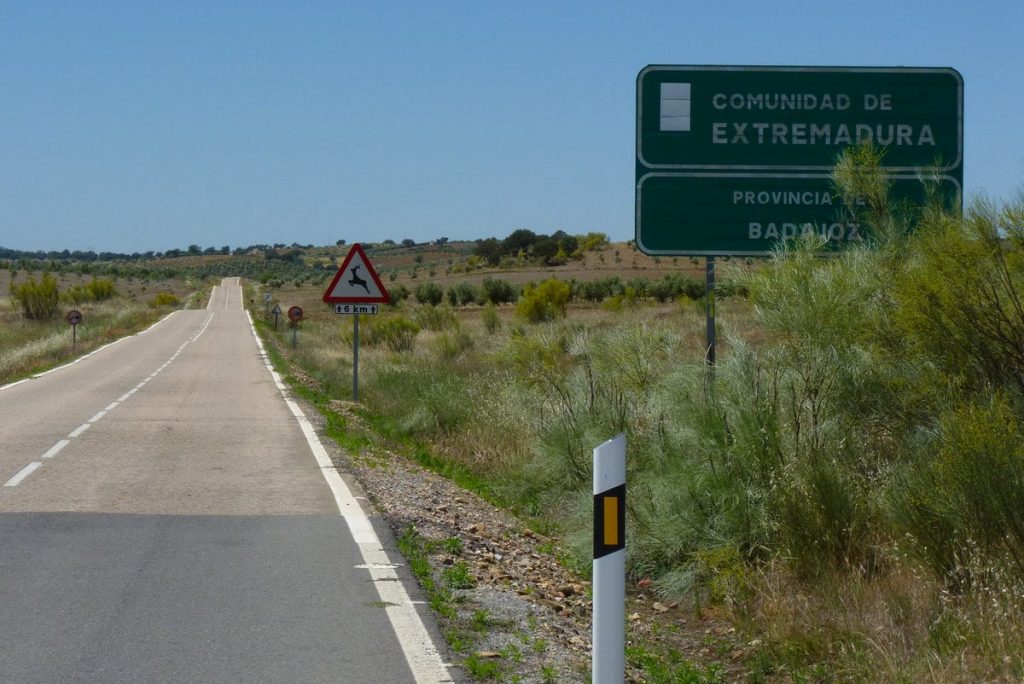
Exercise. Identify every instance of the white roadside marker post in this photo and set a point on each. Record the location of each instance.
(608, 660)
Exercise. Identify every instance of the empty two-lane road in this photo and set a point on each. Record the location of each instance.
(166, 515)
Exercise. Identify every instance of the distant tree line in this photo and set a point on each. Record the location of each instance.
(547, 250)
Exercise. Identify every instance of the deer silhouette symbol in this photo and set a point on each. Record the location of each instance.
(356, 280)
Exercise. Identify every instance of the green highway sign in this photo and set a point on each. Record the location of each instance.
(747, 214)
(719, 128)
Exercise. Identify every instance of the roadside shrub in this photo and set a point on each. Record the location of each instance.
(397, 333)
(960, 296)
(38, 301)
(429, 293)
(543, 302)
(969, 499)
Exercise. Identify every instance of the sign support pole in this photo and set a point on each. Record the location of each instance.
(74, 334)
(608, 658)
(295, 332)
(710, 310)
(355, 358)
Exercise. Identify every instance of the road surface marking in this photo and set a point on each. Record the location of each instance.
(25, 472)
(420, 652)
(79, 430)
(85, 356)
(55, 449)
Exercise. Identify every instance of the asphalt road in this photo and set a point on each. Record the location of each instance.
(164, 517)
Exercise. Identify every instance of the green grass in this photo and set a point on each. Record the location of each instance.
(670, 667)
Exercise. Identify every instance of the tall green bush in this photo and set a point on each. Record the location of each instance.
(545, 301)
(38, 300)
(429, 293)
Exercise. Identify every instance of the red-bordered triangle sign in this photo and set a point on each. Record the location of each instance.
(356, 282)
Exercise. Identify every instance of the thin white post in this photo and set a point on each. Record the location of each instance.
(608, 661)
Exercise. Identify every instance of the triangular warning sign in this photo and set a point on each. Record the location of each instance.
(356, 282)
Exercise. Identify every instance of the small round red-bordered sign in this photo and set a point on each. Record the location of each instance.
(295, 314)
(74, 317)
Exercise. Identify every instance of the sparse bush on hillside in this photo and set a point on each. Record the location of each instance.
(165, 299)
(429, 293)
(499, 291)
(461, 294)
(398, 293)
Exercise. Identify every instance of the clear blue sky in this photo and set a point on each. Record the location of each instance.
(135, 125)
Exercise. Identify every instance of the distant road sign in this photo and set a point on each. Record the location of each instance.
(276, 310)
(705, 133)
(74, 317)
(267, 297)
(356, 282)
(295, 314)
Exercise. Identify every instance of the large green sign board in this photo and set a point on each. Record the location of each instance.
(730, 159)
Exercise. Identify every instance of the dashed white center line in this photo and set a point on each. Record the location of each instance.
(55, 449)
(25, 472)
(79, 430)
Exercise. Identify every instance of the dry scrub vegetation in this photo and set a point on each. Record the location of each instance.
(847, 487)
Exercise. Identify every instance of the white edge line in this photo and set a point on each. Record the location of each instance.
(25, 472)
(97, 416)
(55, 449)
(80, 358)
(420, 652)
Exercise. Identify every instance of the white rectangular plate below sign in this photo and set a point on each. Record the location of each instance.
(352, 309)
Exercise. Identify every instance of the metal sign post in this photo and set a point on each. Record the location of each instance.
(608, 659)
(710, 309)
(355, 358)
(74, 318)
(294, 316)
